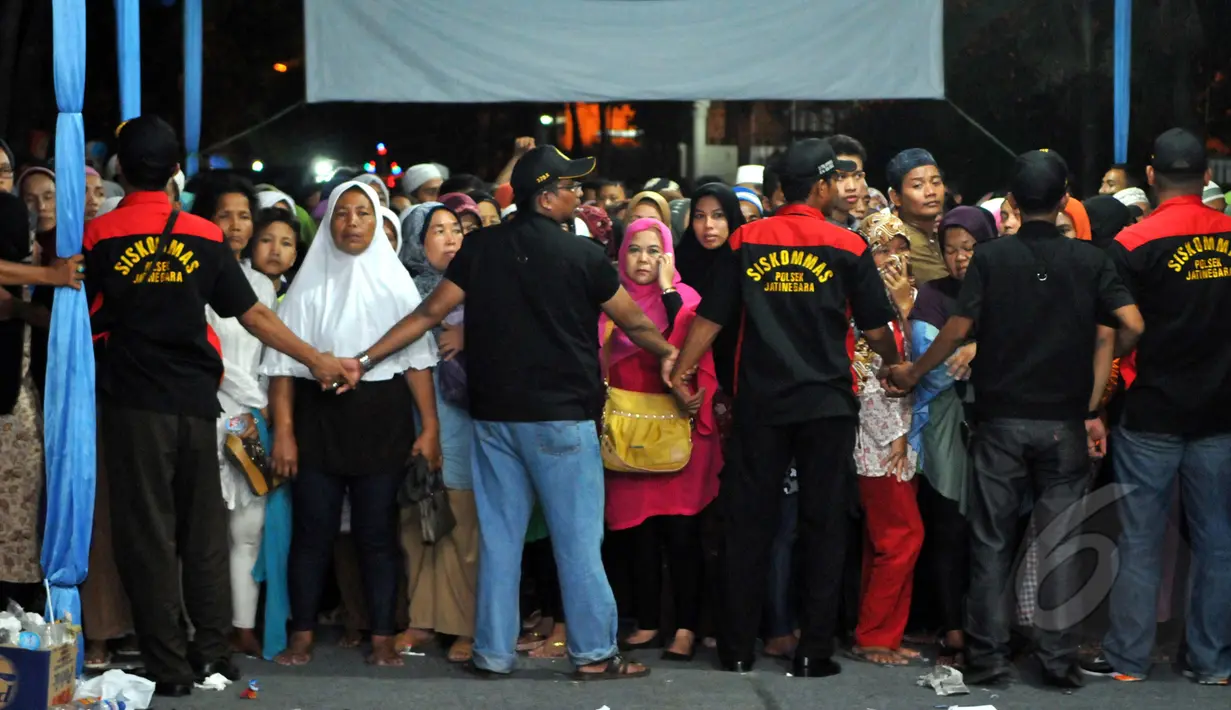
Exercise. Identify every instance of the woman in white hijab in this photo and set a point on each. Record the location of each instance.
(350, 290)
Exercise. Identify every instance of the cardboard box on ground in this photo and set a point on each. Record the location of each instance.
(38, 661)
(36, 680)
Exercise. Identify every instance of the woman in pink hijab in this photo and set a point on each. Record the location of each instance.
(646, 514)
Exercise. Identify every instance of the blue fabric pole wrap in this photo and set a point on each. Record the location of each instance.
(68, 409)
(128, 48)
(1123, 64)
(193, 44)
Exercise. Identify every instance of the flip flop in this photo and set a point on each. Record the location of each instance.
(615, 670)
(865, 656)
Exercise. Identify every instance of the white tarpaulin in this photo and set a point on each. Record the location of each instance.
(462, 51)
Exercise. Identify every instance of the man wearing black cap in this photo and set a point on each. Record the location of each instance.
(1176, 422)
(790, 284)
(153, 272)
(1035, 387)
(533, 296)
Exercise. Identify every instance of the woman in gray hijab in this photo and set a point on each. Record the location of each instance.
(444, 575)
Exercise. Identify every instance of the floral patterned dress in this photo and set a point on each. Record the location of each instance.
(21, 481)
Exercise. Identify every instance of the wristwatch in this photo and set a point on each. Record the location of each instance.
(1091, 416)
(365, 361)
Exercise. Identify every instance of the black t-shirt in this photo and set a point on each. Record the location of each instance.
(533, 296)
(1036, 335)
(158, 353)
(790, 284)
(1177, 264)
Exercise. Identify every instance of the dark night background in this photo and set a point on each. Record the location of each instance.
(1035, 74)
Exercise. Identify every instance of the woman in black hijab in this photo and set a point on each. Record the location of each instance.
(715, 217)
(1107, 217)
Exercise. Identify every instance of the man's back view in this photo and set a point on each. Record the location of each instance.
(1176, 422)
(1040, 301)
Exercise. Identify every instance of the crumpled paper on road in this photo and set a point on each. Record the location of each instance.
(945, 680)
(134, 691)
(215, 682)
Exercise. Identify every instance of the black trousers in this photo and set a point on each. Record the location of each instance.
(644, 544)
(945, 558)
(317, 497)
(539, 565)
(1011, 457)
(169, 528)
(751, 496)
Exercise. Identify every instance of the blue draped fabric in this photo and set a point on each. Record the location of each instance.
(193, 23)
(68, 409)
(1123, 65)
(128, 48)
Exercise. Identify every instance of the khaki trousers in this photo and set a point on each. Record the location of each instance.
(443, 577)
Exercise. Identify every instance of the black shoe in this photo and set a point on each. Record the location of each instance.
(1098, 666)
(224, 666)
(988, 675)
(1070, 679)
(809, 667)
(483, 673)
(656, 642)
(172, 690)
(737, 666)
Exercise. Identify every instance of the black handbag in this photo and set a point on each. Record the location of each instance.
(425, 488)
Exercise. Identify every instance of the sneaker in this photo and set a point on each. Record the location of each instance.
(1100, 667)
(1204, 680)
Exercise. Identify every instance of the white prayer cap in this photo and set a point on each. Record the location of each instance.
(416, 175)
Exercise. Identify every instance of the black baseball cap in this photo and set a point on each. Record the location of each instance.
(148, 150)
(543, 166)
(1180, 152)
(810, 159)
(1039, 180)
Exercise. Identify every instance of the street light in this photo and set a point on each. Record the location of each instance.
(546, 120)
(257, 166)
(280, 68)
(322, 169)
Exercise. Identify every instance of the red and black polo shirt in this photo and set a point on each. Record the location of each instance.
(792, 283)
(1177, 263)
(148, 315)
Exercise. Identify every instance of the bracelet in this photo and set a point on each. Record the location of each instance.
(669, 289)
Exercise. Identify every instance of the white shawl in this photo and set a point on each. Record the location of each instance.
(342, 304)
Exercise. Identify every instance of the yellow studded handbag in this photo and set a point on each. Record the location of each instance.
(642, 433)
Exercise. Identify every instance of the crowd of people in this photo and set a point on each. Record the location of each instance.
(539, 416)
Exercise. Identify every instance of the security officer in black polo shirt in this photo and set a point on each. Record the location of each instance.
(790, 285)
(533, 296)
(153, 271)
(1042, 304)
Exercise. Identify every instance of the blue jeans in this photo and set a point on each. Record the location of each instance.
(1148, 464)
(780, 602)
(559, 462)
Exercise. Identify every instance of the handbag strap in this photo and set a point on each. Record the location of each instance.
(262, 428)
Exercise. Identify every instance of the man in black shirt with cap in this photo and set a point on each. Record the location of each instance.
(1176, 425)
(790, 285)
(153, 270)
(533, 295)
(1041, 303)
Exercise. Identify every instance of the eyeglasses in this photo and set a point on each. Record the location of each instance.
(575, 188)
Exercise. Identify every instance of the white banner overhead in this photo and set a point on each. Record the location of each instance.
(484, 51)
